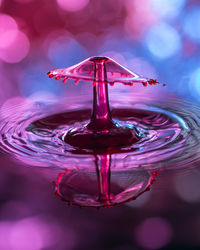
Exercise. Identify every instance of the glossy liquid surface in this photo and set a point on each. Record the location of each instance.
(93, 145)
(34, 133)
(167, 138)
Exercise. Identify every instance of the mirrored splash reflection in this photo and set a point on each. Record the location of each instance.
(168, 133)
(100, 187)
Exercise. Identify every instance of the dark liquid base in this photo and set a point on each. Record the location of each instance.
(105, 139)
(145, 125)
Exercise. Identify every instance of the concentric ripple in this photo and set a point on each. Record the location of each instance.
(169, 134)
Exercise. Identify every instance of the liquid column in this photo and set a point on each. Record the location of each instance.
(101, 116)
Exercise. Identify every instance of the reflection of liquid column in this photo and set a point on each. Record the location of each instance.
(103, 186)
(103, 163)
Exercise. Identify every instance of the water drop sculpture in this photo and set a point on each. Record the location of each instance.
(108, 149)
(101, 131)
(101, 134)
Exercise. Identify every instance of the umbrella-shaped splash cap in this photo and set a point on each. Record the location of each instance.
(87, 70)
(101, 132)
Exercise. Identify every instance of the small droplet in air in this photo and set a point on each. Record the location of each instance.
(65, 79)
(76, 82)
(144, 84)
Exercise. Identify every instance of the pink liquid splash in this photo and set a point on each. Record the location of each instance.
(101, 131)
(108, 154)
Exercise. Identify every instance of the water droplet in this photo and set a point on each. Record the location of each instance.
(144, 84)
(65, 80)
(76, 82)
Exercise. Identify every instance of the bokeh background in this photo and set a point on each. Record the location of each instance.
(156, 38)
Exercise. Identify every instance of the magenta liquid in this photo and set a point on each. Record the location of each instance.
(101, 134)
(101, 131)
(106, 156)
